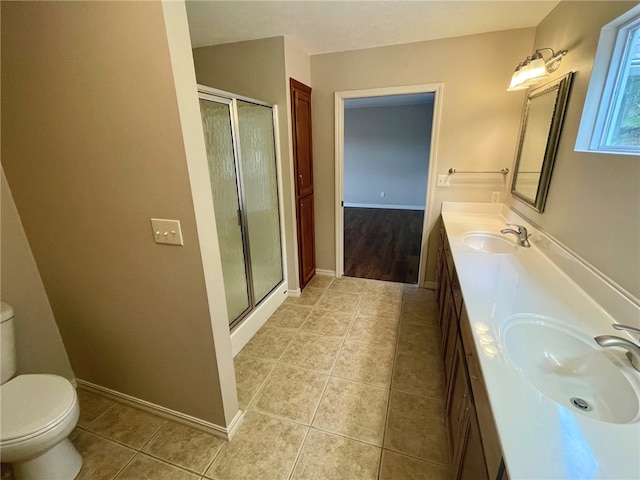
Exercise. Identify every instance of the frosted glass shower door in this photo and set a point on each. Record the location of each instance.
(216, 122)
(260, 187)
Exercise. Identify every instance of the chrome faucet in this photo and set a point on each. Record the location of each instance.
(633, 350)
(521, 234)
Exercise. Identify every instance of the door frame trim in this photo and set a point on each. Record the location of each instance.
(339, 99)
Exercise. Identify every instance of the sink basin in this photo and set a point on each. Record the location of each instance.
(489, 242)
(571, 369)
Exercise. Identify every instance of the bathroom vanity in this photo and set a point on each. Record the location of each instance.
(528, 388)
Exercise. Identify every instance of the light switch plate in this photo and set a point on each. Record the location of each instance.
(166, 231)
(443, 180)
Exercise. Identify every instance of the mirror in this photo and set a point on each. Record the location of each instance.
(539, 135)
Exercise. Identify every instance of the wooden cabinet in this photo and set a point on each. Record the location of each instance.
(449, 302)
(472, 465)
(306, 245)
(473, 439)
(303, 171)
(464, 433)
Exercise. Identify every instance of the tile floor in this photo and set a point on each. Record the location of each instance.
(343, 382)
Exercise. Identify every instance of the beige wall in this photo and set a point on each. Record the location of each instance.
(257, 69)
(92, 148)
(39, 347)
(593, 205)
(479, 122)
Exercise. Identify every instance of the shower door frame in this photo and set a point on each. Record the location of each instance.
(249, 322)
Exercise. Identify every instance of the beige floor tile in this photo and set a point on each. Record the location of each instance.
(264, 448)
(328, 323)
(365, 363)
(395, 466)
(413, 293)
(415, 312)
(269, 342)
(419, 374)
(326, 456)
(251, 373)
(101, 459)
(183, 446)
(390, 290)
(416, 427)
(291, 393)
(308, 297)
(354, 410)
(380, 331)
(416, 338)
(379, 306)
(320, 281)
(127, 425)
(348, 285)
(339, 302)
(315, 352)
(144, 467)
(91, 406)
(74, 433)
(289, 316)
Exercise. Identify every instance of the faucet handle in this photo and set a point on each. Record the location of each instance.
(628, 328)
(521, 228)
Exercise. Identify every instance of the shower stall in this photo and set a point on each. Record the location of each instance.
(240, 138)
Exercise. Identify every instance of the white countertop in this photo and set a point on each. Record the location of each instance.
(540, 439)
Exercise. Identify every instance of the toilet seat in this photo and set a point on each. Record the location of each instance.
(33, 405)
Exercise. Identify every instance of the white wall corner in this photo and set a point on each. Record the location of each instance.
(177, 29)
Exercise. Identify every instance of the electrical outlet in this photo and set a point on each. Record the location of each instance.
(381, 194)
(495, 197)
(443, 180)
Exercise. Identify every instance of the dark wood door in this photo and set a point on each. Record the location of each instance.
(303, 171)
(306, 243)
(302, 146)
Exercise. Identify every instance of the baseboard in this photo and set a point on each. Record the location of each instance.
(320, 271)
(430, 285)
(178, 417)
(382, 205)
(294, 293)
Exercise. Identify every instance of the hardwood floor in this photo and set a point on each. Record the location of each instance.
(382, 244)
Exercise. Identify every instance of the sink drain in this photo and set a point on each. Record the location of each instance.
(580, 403)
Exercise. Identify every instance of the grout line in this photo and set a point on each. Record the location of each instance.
(295, 462)
(393, 370)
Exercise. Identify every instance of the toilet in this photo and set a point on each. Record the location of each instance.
(37, 414)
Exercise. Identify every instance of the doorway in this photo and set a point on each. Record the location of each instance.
(385, 151)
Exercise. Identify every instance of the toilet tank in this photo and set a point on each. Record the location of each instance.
(8, 364)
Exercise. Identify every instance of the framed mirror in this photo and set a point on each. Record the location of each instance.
(539, 135)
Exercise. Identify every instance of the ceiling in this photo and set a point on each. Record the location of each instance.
(335, 26)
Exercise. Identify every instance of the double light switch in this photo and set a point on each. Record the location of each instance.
(166, 231)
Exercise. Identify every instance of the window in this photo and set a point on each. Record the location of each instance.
(611, 116)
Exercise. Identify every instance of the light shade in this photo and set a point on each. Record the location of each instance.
(534, 69)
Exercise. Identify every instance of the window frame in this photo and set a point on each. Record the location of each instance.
(601, 93)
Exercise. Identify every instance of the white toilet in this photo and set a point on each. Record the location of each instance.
(37, 414)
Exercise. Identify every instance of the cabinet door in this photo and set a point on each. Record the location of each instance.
(449, 347)
(306, 242)
(472, 464)
(458, 402)
(492, 450)
(302, 147)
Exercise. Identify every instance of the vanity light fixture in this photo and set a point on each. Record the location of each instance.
(534, 68)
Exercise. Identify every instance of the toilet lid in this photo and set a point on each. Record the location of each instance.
(30, 403)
